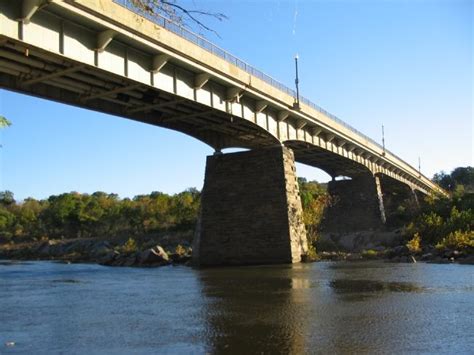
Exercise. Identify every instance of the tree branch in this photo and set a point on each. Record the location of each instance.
(175, 12)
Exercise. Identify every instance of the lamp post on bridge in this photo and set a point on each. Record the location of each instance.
(296, 104)
(383, 141)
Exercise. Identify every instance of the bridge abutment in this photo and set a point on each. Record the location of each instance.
(250, 210)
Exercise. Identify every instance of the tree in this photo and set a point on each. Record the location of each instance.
(6, 198)
(4, 122)
(461, 176)
(176, 12)
(444, 180)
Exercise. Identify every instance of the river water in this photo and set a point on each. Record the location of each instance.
(362, 307)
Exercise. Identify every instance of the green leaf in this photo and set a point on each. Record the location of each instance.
(4, 122)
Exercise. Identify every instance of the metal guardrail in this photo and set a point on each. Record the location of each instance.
(212, 48)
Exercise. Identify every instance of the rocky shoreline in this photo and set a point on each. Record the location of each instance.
(401, 254)
(151, 254)
(96, 251)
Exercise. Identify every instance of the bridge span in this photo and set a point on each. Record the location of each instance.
(100, 55)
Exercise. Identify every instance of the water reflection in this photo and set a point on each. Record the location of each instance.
(255, 310)
(299, 309)
(302, 308)
(362, 289)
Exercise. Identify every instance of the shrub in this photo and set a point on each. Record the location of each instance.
(130, 246)
(180, 250)
(414, 244)
(369, 254)
(311, 254)
(457, 240)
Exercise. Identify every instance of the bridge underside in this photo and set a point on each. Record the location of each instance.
(333, 164)
(30, 70)
(103, 57)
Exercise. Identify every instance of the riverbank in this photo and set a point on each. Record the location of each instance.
(176, 249)
(149, 252)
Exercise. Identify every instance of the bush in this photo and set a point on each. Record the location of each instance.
(414, 244)
(180, 250)
(457, 240)
(310, 255)
(369, 254)
(130, 246)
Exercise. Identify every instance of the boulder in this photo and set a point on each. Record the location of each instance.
(100, 249)
(467, 260)
(401, 250)
(131, 260)
(180, 258)
(49, 248)
(109, 258)
(427, 256)
(153, 256)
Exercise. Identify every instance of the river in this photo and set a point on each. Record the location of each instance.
(326, 307)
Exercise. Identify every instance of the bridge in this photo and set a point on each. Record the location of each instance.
(105, 56)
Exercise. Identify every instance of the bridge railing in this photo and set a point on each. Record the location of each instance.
(216, 50)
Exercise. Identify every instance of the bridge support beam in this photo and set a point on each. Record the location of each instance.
(250, 210)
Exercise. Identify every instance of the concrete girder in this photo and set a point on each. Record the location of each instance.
(118, 90)
(183, 117)
(52, 75)
(315, 131)
(351, 148)
(200, 80)
(103, 39)
(260, 106)
(283, 115)
(233, 94)
(158, 62)
(300, 123)
(29, 8)
(341, 143)
(330, 137)
(155, 106)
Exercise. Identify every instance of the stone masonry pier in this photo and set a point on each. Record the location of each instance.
(250, 210)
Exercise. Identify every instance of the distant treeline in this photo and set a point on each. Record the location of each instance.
(75, 215)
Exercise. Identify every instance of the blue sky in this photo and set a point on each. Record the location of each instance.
(404, 64)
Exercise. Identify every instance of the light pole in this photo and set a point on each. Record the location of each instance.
(383, 141)
(296, 104)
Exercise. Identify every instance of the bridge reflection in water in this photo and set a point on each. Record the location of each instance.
(315, 308)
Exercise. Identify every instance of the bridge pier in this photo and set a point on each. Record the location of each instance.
(250, 210)
(368, 202)
(357, 205)
(399, 199)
